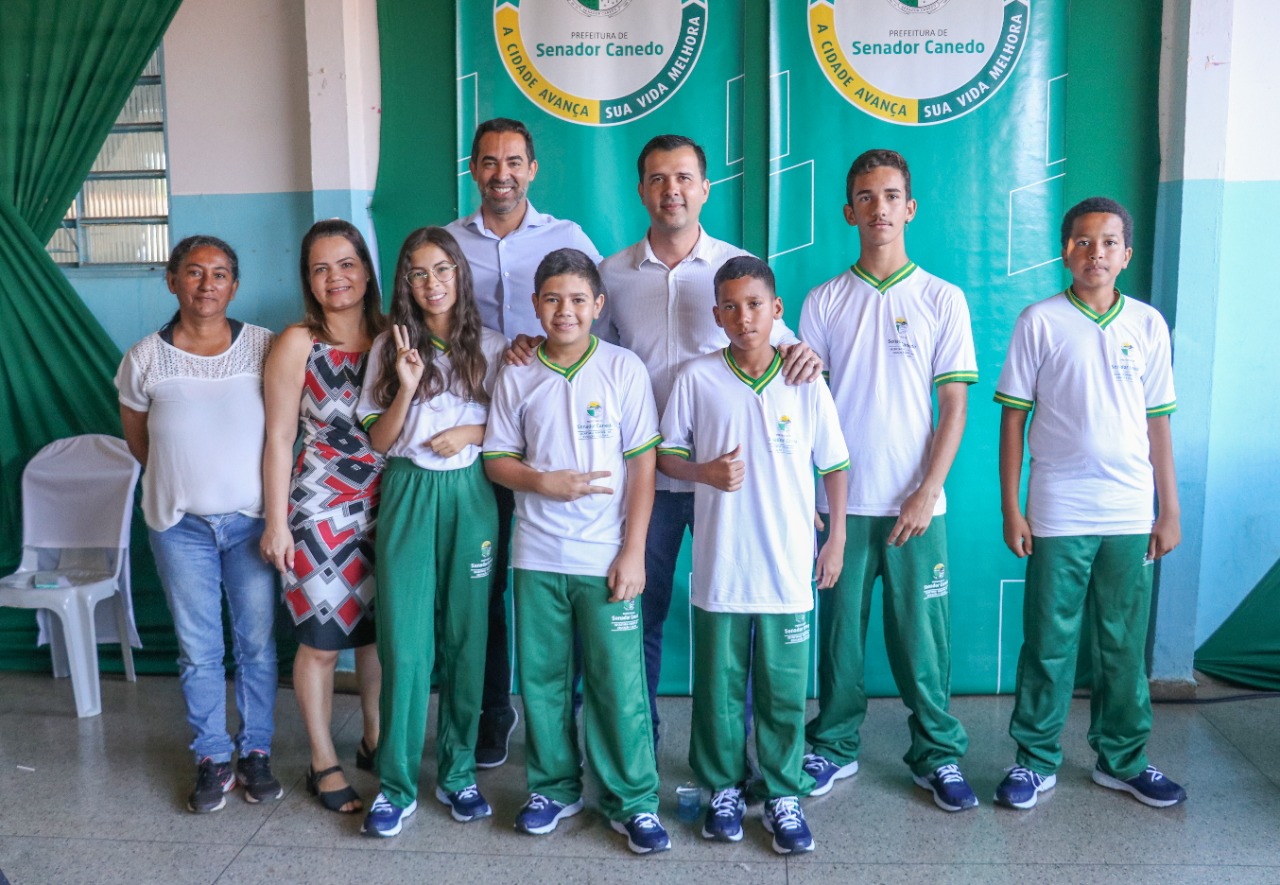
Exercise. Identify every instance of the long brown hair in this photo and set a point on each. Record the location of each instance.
(374, 321)
(469, 363)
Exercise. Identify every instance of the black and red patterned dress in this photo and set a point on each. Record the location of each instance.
(332, 507)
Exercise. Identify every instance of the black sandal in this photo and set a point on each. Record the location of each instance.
(364, 756)
(332, 799)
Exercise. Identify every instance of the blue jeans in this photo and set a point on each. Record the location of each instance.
(672, 513)
(197, 559)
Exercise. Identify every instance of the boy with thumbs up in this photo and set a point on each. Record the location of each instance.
(750, 443)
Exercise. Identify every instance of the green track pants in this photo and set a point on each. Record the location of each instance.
(615, 699)
(1112, 574)
(917, 632)
(723, 652)
(434, 546)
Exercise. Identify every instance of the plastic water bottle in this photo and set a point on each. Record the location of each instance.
(688, 802)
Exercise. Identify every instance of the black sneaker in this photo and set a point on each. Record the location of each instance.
(212, 780)
(494, 736)
(254, 773)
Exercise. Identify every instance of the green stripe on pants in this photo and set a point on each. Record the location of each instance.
(722, 654)
(917, 633)
(434, 547)
(615, 699)
(1107, 576)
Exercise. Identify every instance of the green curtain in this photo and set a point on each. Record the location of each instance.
(1246, 648)
(66, 69)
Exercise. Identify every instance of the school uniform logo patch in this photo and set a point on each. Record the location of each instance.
(483, 567)
(797, 632)
(596, 423)
(1126, 363)
(939, 585)
(900, 342)
(783, 439)
(627, 620)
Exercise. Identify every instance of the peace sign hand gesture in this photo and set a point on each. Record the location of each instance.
(409, 365)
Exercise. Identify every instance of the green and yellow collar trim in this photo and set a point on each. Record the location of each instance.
(1102, 319)
(756, 384)
(440, 345)
(573, 370)
(883, 285)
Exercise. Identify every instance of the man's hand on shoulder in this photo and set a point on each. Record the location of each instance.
(800, 365)
(522, 350)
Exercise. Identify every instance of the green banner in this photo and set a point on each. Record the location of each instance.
(972, 93)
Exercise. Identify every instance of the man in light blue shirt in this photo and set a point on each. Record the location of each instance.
(506, 238)
(504, 241)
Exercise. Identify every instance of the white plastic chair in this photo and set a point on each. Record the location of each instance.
(77, 511)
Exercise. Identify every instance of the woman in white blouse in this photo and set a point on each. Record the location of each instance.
(191, 405)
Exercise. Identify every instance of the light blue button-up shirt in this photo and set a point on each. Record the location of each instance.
(502, 268)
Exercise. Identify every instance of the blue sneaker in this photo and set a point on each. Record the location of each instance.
(724, 816)
(385, 819)
(784, 819)
(950, 790)
(466, 804)
(540, 814)
(644, 833)
(1021, 786)
(826, 772)
(1150, 788)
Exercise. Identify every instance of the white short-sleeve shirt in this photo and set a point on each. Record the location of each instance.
(887, 344)
(443, 411)
(753, 551)
(1093, 381)
(594, 415)
(206, 425)
(663, 314)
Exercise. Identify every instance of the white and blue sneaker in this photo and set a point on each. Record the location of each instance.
(825, 772)
(1021, 786)
(951, 792)
(644, 832)
(540, 814)
(466, 804)
(1150, 788)
(724, 816)
(784, 819)
(385, 819)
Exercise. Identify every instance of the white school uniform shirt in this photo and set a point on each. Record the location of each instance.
(425, 419)
(663, 314)
(502, 268)
(753, 551)
(887, 344)
(206, 424)
(1093, 380)
(594, 415)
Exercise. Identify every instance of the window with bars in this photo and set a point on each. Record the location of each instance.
(121, 215)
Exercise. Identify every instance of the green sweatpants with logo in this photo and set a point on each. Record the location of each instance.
(723, 647)
(434, 547)
(615, 698)
(1110, 572)
(917, 633)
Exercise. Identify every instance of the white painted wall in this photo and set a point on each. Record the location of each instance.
(1253, 127)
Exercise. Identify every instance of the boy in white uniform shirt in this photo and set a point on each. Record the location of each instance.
(751, 442)
(893, 336)
(573, 435)
(1095, 366)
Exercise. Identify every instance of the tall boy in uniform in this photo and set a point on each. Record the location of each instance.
(750, 443)
(573, 435)
(1093, 369)
(891, 335)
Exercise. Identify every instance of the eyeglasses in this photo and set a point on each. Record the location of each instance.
(442, 272)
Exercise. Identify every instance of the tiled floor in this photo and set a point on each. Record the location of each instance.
(102, 801)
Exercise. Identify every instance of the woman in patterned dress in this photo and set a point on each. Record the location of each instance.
(319, 527)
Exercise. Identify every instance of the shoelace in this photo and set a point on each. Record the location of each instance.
(381, 805)
(949, 774)
(645, 821)
(725, 802)
(1156, 774)
(470, 792)
(537, 802)
(812, 761)
(786, 813)
(1022, 775)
